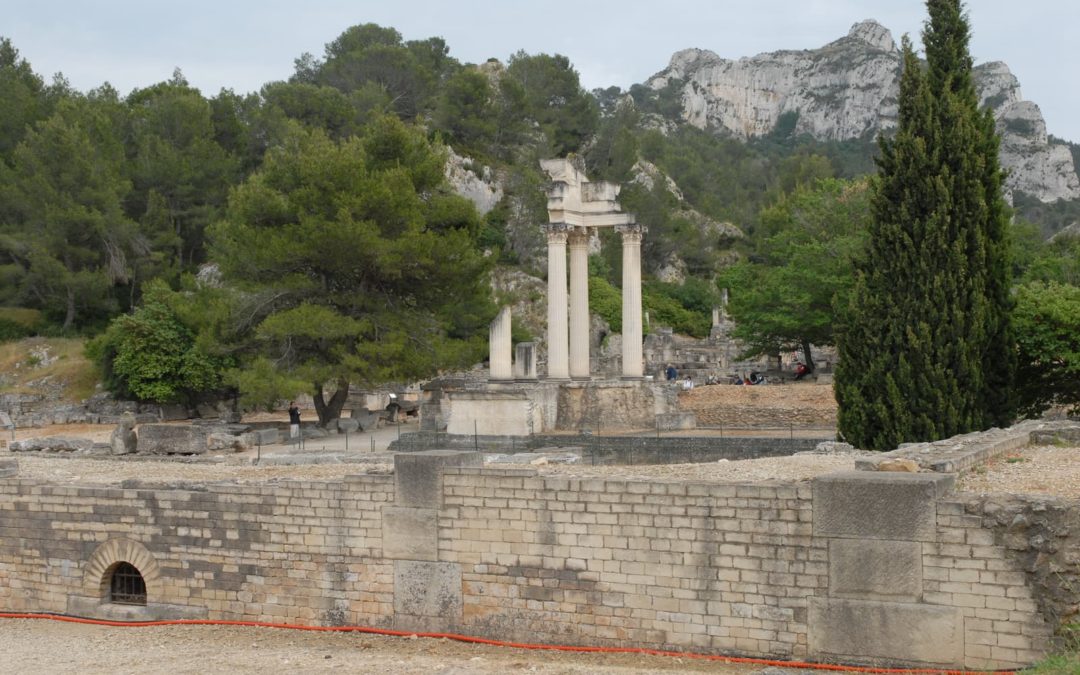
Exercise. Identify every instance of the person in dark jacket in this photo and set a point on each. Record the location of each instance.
(294, 421)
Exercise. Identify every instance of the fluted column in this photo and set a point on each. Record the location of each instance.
(500, 348)
(633, 366)
(557, 336)
(579, 303)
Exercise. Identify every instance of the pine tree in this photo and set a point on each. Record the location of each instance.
(925, 350)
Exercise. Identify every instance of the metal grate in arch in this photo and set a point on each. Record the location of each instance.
(126, 586)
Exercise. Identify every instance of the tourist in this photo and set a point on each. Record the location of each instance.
(688, 383)
(801, 370)
(294, 421)
(671, 374)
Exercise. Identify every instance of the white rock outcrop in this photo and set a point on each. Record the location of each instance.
(848, 89)
(471, 182)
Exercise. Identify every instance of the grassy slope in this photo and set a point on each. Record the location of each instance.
(40, 365)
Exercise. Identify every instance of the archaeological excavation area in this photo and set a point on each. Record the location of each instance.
(855, 566)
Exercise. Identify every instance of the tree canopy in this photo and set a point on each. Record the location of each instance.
(354, 262)
(926, 348)
(783, 297)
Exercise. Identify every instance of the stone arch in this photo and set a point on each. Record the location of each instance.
(108, 555)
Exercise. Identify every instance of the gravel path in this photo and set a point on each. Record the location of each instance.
(211, 650)
(1046, 470)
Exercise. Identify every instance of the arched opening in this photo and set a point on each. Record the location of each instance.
(126, 585)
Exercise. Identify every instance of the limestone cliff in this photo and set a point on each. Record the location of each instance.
(848, 89)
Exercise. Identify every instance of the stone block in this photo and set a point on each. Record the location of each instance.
(410, 533)
(267, 436)
(492, 413)
(172, 412)
(676, 421)
(885, 632)
(430, 589)
(878, 505)
(418, 475)
(152, 611)
(171, 439)
(54, 444)
(123, 440)
(9, 467)
(875, 569)
(348, 426)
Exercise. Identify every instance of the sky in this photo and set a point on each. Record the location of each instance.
(243, 44)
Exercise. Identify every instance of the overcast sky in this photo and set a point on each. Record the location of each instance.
(243, 44)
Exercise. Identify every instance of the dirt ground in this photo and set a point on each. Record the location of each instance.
(209, 650)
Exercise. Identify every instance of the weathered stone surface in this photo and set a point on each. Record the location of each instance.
(878, 505)
(53, 444)
(172, 412)
(493, 413)
(410, 533)
(875, 569)
(427, 589)
(899, 465)
(266, 436)
(123, 440)
(472, 181)
(418, 475)
(172, 439)
(348, 426)
(866, 631)
(152, 611)
(9, 467)
(225, 441)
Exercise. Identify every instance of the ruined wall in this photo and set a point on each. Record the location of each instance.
(860, 566)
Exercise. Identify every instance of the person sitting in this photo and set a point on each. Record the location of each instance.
(688, 383)
(801, 370)
(735, 379)
(755, 378)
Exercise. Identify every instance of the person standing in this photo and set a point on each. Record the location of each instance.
(294, 421)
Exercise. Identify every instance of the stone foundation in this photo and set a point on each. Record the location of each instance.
(862, 566)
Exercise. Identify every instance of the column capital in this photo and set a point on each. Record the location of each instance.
(557, 233)
(578, 236)
(631, 231)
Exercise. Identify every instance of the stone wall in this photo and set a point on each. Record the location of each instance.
(618, 449)
(862, 566)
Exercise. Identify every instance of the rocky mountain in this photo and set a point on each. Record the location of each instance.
(848, 89)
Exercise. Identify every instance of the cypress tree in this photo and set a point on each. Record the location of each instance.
(925, 345)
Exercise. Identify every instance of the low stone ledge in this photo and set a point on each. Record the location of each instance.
(95, 608)
(955, 454)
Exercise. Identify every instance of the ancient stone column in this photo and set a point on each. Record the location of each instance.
(633, 365)
(579, 303)
(525, 361)
(500, 348)
(557, 335)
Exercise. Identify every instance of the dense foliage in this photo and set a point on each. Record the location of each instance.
(344, 256)
(783, 296)
(356, 264)
(1048, 336)
(926, 350)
